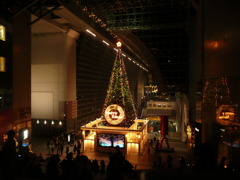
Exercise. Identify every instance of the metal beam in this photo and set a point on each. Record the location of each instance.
(25, 8)
(44, 14)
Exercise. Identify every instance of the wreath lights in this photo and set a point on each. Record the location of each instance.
(114, 114)
(225, 115)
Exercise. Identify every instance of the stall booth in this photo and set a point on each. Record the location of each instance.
(131, 140)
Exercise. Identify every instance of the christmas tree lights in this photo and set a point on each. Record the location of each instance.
(119, 95)
(216, 93)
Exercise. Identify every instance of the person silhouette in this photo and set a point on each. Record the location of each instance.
(169, 161)
(182, 162)
(9, 155)
(102, 166)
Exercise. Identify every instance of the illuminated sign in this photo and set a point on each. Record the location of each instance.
(114, 114)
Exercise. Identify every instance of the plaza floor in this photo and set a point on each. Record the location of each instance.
(143, 161)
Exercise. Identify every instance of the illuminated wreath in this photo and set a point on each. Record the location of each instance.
(114, 114)
(225, 115)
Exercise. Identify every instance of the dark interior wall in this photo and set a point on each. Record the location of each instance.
(221, 38)
(221, 59)
(222, 43)
(21, 66)
(94, 64)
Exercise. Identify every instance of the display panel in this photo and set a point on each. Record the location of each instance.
(110, 140)
(104, 140)
(118, 140)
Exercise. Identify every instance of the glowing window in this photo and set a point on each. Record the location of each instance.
(2, 64)
(2, 33)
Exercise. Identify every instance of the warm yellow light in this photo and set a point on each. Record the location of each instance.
(2, 33)
(119, 44)
(45, 122)
(225, 114)
(215, 44)
(2, 64)
(60, 122)
(52, 122)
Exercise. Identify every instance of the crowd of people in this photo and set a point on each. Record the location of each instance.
(58, 144)
(22, 163)
(80, 167)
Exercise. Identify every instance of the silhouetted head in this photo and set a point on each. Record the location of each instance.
(11, 134)
(69, 156)
(117, 148)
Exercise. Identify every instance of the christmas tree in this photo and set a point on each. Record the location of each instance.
(216, 93)
(216, 106)
(118, 109)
